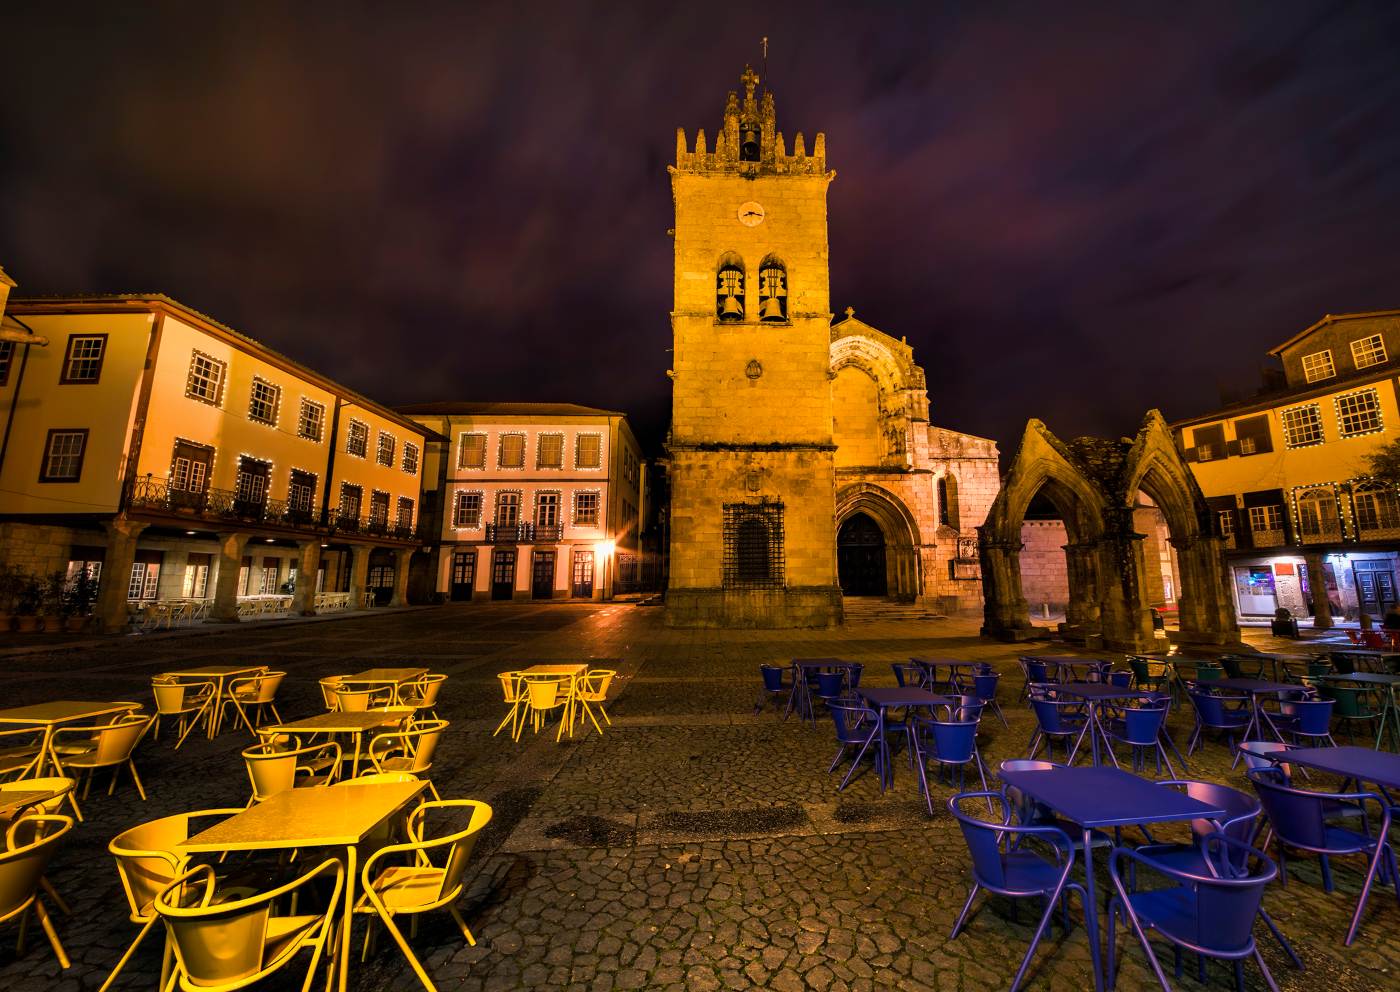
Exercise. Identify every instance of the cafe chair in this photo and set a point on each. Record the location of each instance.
(432, 881)
(409, 750)
(20, 748)
(1150, 674)
(1140, 727)
(908, 674)
(857, 726)
(31, 843)
(984, 686)
(1301, 820)
(257, 693)
(272, 770)
(542, 696)
(1309, 720)
(1209, 913)
(188, 702)
(592, 692)
(1353, 705)
(422, 694)
(516, 697)
(775, 689)
(950, 744)
(362, 699)
(1223, 713)
(148, 859)
(108, 746)
(1030, 813)
(329, 685)
(1003, 865)
(1061, 720)
(226, 944)
(60, 790)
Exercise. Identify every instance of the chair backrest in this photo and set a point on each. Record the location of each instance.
(148, 856)
(966, 708)
(1210, 708)
(424, 739)
(426, 690)
(1036, 671)
(1241, 809)
(1296, 815)
(459, 843)
(1223, 908)
(23, 864)
(1142, 723)
(1231, 664)
(853, 672)
(772, 677)
(830, 684)
(271, 770)
(170, 694)
(1314, 716)
(1319, 667)
(329, 685)
(595, 684)
(845, 715)
(544, 693)
(989, 839)
(1347, 699)
(58, 785)
(1047, 714)
(1209, 673)
(1120, 680)
(116, 741)
(984, 684)
(954, 741)
(1256, 755)
(266, 685)
(510, 686)
(362, 699)
(1139, 668)
(907, 673)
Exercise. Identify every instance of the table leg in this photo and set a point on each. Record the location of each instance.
(885, 769)
(47, 753)
(355, 764)
(1078, 741)
(1091, 911)
(344, 966)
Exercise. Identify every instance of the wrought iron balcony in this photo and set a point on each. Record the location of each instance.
(510, 533)
(1267, 537)
(549, 532)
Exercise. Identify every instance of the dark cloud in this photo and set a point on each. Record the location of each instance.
(1072, 211)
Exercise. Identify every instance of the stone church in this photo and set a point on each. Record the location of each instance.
(803, 465)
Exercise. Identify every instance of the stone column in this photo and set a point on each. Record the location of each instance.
(304, 596)
(1126, 622)
(231, 548)
(401, 559)
(110, 608)
(359, 574)
(1005, 612)
(1082, 609)
(1317, 585)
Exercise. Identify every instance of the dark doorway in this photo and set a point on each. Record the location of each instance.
(503, 575)
(463, 575)
(1375, 587)
(542, 578)
(860, 557)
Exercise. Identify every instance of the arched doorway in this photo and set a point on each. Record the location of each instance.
(860, 557)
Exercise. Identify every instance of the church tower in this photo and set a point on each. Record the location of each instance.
(752, 466)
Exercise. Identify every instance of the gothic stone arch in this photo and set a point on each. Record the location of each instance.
(1094, 484)
(899, 527)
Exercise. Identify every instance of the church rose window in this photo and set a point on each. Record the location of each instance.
(753, 545)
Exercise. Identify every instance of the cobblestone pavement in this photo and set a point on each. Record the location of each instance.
(694, 846)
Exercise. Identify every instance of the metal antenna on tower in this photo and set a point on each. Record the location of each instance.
(764, 80)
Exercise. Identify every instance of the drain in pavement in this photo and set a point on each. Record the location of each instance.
(731, 821)
(591, 831)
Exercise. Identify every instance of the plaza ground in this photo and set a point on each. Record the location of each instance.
(694, 846)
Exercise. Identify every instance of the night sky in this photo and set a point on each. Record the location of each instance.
(1073, 211)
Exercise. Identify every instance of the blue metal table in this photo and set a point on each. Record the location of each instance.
(883, 698)
(801, 697)
(1099, 798)
(1096, 694)
(1067, 664)
(1254, 689)
(1390, 715)
(930, 667)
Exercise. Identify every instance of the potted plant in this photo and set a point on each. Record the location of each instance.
(29, 596)
(51, 602)
(9, 592)
(80, 597)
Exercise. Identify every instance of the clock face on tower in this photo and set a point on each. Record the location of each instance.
(750, 214)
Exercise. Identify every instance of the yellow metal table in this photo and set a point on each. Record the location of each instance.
(52, 715)
(219, 675)
(385, 676)
(14, 803)
(342, 816)
(571, 671)
(354, 724)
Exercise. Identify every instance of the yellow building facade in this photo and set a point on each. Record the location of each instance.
(181, 460)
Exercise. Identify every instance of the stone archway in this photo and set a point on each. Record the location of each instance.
(860, 557)
(898, 528)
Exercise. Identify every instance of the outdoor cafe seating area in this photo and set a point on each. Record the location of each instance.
(1122, 771)
(170, 613)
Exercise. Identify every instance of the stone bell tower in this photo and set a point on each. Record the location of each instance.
(752, 476)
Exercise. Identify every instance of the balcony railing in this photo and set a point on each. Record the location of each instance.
(1267, 537)
(226, 506)
(1368, 532)
(549, 532)
(1324, 532)
(510, 533)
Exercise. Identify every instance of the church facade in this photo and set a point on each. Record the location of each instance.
(803, 465)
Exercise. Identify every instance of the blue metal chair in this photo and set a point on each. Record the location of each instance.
(1300, 819)
(857, 726)
(1034, 814)
(830, 686)
(906, 673)
(1002, 865)
(1210, 913)
(1120, 680)
(1309, 719)
(1037, 673)
(853, 671)
(1228, 714)
(984, 685)
(1056, 719)
(1140, 727)
(948, 743)
(775, 689)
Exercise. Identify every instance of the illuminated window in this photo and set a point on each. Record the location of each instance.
(350, 501)
(263, 402)
(1227, 522)
(145, 577)
(507, 509)
(405, 513)
(1377, 508)
(410, 458)
(379, 508)
(311, 421)
(1302, 425)
(588, 451)
(753, 545)
(466, 510)
(1368, 351)
(384, 451)
(189, 466)
(1317, 513)
(7, 357)
(82, 363)
(511, 453)
(196, 584)
(357, 439)
(206, 379)
(551, 451)
(586, 509)
(546, 509)
(1265, 518)
(1318, 366)
(301, 492)
(473, 451)
(1359, 413)
(250, 485)
(63, 455)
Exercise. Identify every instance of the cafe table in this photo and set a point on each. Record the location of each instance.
(1070, 665)
(353, 724)
(1258, 716)
(960, 672)
(1102, 799)
(572, 671)
(52, 715)
(340, 816)
(12, 803)
(220, 676)
(1095, 694)
(395, 677)
(801, 696)
(881, 699)
(1390, 714)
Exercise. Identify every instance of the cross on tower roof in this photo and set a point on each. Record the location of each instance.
(750, 80)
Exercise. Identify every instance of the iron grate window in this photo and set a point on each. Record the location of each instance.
(753, 545)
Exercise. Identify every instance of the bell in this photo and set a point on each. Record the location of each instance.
(772, 309)
(731, 309)
(748, 149)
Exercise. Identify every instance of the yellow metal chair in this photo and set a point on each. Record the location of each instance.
(59, 787)
(513, 690)
(422, 694)
(272, 770)
(107, 746)
(542, 696)
(433, 881)
(31, 843)
(593, 689)
(329, 685)
(225, 945)
(362, 699)
(255, 692)
(148, 859)
(409, 750)
(186, 701)
(19, 750)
